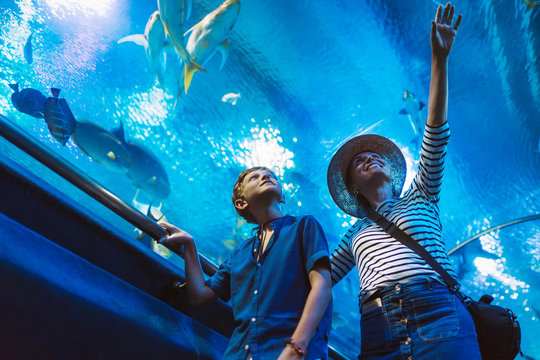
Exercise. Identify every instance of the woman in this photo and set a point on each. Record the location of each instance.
(407, 312)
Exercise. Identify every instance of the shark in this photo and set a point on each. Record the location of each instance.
(172, 14)
(211, 33)
(154, 41)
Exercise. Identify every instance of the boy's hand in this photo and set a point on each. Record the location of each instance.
(288, 353)
(176, 238)
(442, 32)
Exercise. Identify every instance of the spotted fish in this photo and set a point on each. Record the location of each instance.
(60, 120)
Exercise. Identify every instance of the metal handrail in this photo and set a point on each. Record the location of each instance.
(84, 182)
(17, 137)
(497, 227)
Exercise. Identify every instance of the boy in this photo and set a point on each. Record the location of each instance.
(278, 280)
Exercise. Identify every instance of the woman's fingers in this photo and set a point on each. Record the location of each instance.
(438, 15)
(450, 16)
(445, 13)
(458, 21)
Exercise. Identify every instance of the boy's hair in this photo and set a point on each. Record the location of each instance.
(238, 192)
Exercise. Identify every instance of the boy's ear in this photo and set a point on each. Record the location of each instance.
(240, 204)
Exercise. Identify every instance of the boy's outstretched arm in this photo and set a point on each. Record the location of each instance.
(314, 309)
(199, 292)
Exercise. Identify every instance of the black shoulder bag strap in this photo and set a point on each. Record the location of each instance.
(391, 229)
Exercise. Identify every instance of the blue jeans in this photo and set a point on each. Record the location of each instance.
(420, 319)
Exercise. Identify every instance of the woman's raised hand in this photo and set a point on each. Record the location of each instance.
(442, 31)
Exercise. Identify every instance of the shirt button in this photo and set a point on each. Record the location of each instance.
(404, 321)
(410, 358)
(246, 347)
(254, 250)
(255, 292)
(253, 319)
(407, 341)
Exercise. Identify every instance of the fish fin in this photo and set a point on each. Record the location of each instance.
(223, 48)
(119, 132)
(189, 70)
(421, 105)
(111, 156)
(138, 39)
(190, 30)
(403, 112)
(55, 92)
(14, 87)
(230, 243)
(189, 6)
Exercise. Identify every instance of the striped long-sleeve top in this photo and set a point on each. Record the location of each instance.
(380, 259)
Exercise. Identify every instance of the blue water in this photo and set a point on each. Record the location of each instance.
(311, 74)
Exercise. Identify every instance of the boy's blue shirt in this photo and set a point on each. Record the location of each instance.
(268, 296)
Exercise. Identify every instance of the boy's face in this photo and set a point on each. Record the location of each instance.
(261, 183)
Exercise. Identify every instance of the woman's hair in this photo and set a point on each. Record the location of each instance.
(238, 192)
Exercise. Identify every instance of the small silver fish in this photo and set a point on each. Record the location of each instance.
(60, 120)
(231, 98)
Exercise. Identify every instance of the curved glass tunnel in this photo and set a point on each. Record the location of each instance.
(300, 78)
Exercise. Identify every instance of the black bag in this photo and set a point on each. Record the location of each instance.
(498, 332)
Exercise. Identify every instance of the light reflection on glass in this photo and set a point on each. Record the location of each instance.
(264, 149)
(64, 8)
(494, 269)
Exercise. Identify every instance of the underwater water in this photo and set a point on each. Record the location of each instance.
(300, 78)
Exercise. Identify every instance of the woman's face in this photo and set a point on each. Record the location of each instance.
(367, 167)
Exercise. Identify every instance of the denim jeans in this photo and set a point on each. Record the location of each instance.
(420, 319)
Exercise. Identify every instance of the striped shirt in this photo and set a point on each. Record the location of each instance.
(380, 259)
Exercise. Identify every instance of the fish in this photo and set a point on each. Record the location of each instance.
(154, 41)
(413, 109)
(28, 49)
(172, 17)
(60, 120)
(145, 171)
(530, 4)
(102, 146)
(463, 259)
(211, 33)
(144, 238)
(339, 320)
(28, 101)
(231, 98)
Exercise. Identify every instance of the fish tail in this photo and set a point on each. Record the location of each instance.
(55, 92)
(14, 87)
(189, 70)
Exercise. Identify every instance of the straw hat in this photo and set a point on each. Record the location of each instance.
(337, 170)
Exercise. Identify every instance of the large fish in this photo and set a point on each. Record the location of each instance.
(211, 33)
(60, 120)
(413, 108)
(28, 49)
(28, 101)
(154, 41)
(102, 146)
(172, 16)
(146, 171)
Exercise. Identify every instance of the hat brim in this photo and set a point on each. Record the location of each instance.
(337, 170)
